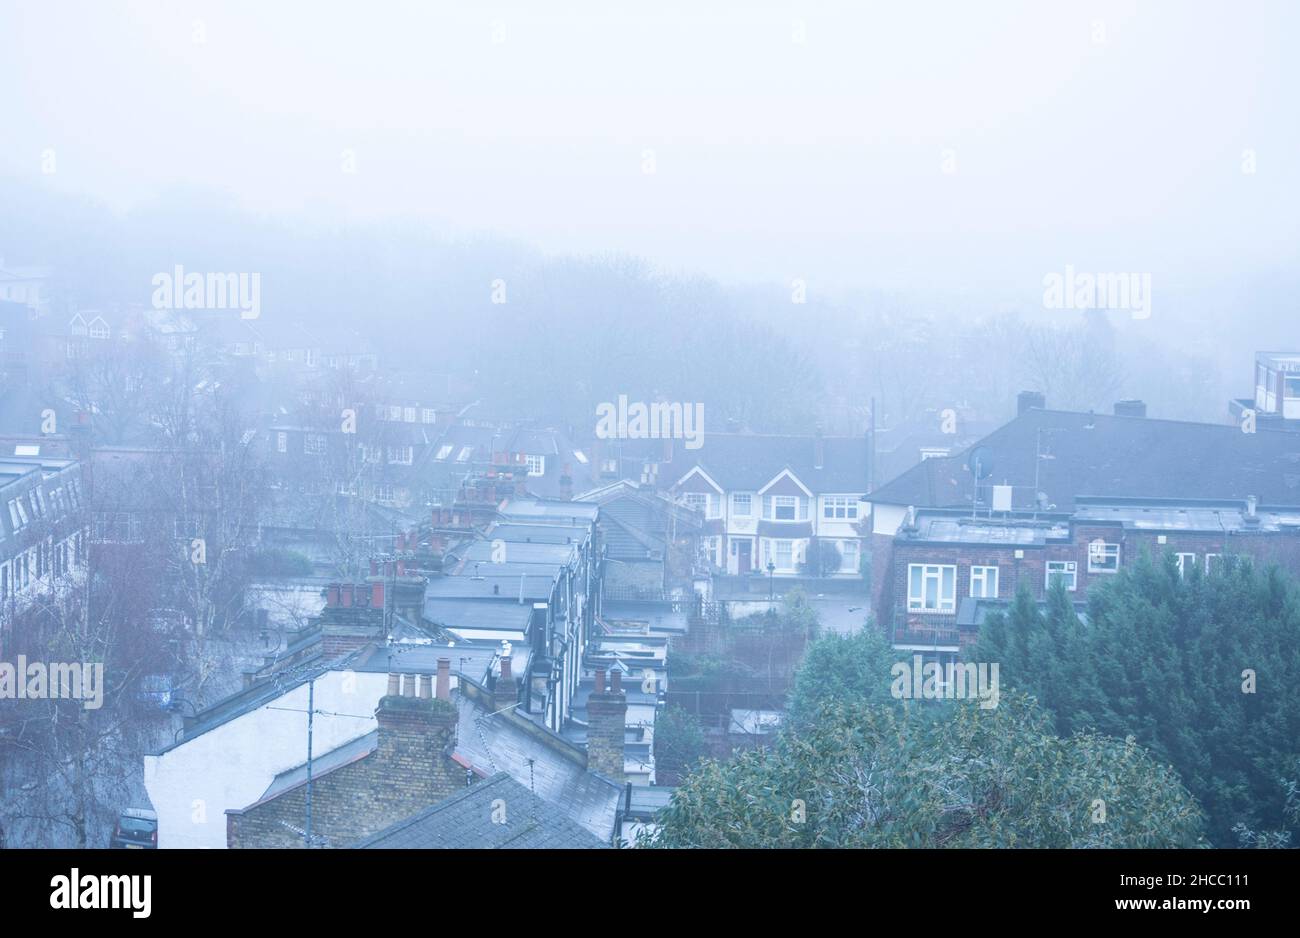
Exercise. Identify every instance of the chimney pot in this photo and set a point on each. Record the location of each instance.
(332, 595)
(377, 595)
(408, 684)
(600, 680)
(423, 687)
(615, 681)
(346, 592)
(443, 691)
(394, 684)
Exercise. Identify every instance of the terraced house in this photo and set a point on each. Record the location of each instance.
(43, 539)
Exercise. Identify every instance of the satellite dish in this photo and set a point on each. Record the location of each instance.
(980, 462)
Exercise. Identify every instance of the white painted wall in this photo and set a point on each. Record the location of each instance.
(887, 519)
(193, 785)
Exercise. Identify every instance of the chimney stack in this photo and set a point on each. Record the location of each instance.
(506, 692)
(416, 735)
(1027, 400)
(347, 625)
(606, 723)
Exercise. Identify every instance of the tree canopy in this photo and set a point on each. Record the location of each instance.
(894, 775)
(1201, 669)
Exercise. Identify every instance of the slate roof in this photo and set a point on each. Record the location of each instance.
(745, 462)
(506, 742)
(470, 821)
(1110, 456)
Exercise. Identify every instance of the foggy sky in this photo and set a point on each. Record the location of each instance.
(774, 158)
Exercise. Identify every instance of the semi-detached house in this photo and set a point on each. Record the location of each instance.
(766, 499)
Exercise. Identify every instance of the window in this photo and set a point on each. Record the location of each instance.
(784, 551)
(536, 465)
(444, 451)
(782, 507)
(384, 492)
(282, 442)
(848, 557)
(403, 455)
(697, 500)
(741, 505)
(931, 587)
(840, 506)
(17, 513)
(984, 582)
(313, 444)
(408, 414)
(428, 415)
(98, 329)
(1185, 563)
(1103, 557)
(464, 454)
(609, 465)
(1211, 557)
(933, 453)
(1067, 570)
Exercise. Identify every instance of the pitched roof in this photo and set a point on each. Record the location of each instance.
(1104, 455)
(497, 813)
(508, 742)
(748, 461)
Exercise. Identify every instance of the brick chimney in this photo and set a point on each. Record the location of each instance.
(416, 736)
(606, 719)
(349, 620)
(506, 692)
(1027, 400)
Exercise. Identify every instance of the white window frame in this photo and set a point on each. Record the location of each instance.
(1104, 549)
(401, 455)
(1066, 568)
(282, 441)
(932, 572)
(987, 577)
(739, 498)
(839, 508)
(536, 465)
(444, 451)
(1207, 561)
(776, 553)
(1181, 558)
(428, 415)
(314, 444)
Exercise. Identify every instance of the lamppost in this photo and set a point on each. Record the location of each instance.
(771, 568)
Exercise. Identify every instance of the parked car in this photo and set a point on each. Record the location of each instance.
(137, 829)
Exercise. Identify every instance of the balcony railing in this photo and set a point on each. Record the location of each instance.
(923, 635)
